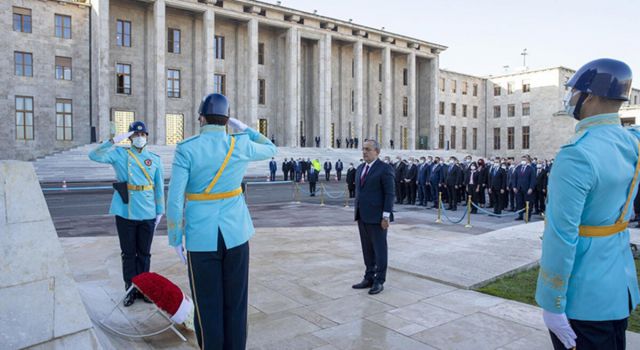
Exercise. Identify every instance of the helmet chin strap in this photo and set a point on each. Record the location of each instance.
(576, 111)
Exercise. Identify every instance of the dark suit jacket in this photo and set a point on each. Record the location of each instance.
(339, 166)
(453, 176)
(436, 173)
(327, 166)
(499, 179)
(376, 194)
(313, 175)
(412, 173)
(273, 166)
(467, 178)
(525, 180)
(351, 177)
(423, 173)
(400, 170)
(541, 180)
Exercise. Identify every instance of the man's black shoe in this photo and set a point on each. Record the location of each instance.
(362, 285)
(130, 298)
(376, 288)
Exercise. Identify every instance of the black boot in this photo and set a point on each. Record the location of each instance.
(131, 296)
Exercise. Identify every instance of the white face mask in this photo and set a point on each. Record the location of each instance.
(496, 163)
(450, 162)
(524, 162)
(473, 168)
(139, 141)
(503, 166)
(566, 102)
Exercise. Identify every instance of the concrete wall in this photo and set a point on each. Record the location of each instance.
(40, 304)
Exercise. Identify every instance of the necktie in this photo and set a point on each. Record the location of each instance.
(364, 174)
(523, 169)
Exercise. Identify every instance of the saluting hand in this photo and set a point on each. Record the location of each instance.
(121, 137)
(236, 124)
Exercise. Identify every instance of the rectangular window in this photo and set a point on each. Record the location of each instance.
(475, 112)
(454, 86)
(218, 47)
(63, 26)
(526, 86)
(353, 101)
(525, 137)
(261, 53)
(496, 111)
(474, 138)
(464, 137)
(441, 107)
(453, 109)
(353, 68)
(510, 137)
(441, 137)
(380, 72)
(123, 33)
(475, 89)
(464, 111)
(511, 110)
(441, 84)
(509, 88)
(496, 138)
(405, 77)
(496, 90)
(63, 68)
(465, 87)
(24, 118)
(262, 91)
(173, 37)
(526, 110)
(173, 83)
(64, 120)
(453, 137)
(219, 84)
(23, 62)
(405, 106)
(21, 20)
(123, 79)
(379, 103)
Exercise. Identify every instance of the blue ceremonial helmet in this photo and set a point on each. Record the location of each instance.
(214, 105)
(138, 126)
(604, 77)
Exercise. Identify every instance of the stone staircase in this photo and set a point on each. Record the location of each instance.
(75, 166)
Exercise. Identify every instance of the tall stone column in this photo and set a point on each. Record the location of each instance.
(208, 56)
(292, 62)
(160, 84)
(411, 76)
(433, 100)
(252, 74)
(101, 34)
(324, 95)
(386, 99)
(358, 90)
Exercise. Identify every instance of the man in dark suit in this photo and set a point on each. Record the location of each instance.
(453, 177)
(373, 212)
(436, 181)
(541, 188)
(273, 167)
(472, 175)
(410, 179)
(355, 142)
(497, 188)
(312, 178)
(285, 169)
(524, 185)
(339, 168)
(399, 168)
(304, 167)
(327, 170)
(292, 169)
(422, 181)
(351, 181)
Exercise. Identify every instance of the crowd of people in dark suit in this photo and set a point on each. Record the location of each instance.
(499, 183)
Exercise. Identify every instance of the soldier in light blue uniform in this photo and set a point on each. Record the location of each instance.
(207, 171)
(140, 205)
(587, 284)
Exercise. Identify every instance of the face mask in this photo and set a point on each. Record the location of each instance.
(539, 166)
(473, 168)
(450, 162)
(422, 161)
(496, 163)
(566, 102)
(139, 141)
(524, 162)
(503, 166)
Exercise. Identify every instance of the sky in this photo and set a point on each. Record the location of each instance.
(483, 36)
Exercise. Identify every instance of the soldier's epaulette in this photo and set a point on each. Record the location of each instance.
(576, 138)
(189, 139)
(239, 134)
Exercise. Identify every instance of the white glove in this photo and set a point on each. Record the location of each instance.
(559, 325)
(158, 218)
(122, 137)
(180, 251)
(236, 124)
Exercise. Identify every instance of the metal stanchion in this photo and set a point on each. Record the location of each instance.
(526, 212)
(321, 195)
(439, 220)
(468, 225)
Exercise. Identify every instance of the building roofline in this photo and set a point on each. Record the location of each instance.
(465, 74)
(343, 23)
